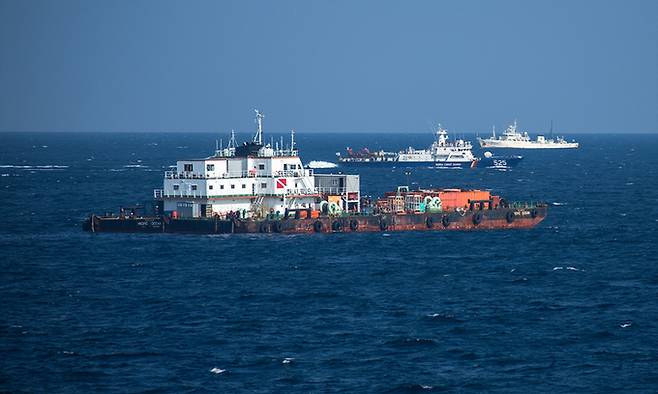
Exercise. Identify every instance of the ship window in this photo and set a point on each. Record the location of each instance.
(263, 185)
(176, 187)
(188, 168)
(296, 185)
(285, 167)
(210, 167)
(244, 186)
(210, 187)
(193, 187)
(232, 186)
(261, 166)
(293, 166)
(221, 187)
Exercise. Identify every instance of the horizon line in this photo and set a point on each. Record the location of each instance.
(488, 132)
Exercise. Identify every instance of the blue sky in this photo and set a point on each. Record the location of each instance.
(590, 66)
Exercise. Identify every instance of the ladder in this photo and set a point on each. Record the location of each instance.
(257, 206)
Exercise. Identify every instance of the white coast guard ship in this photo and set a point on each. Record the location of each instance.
(442, 152)
(253, 180)
(514, 139)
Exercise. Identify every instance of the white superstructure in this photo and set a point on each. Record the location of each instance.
(252, 180)
(441, 152)
(511, 138)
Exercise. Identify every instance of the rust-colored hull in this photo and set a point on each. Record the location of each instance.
(487, 219)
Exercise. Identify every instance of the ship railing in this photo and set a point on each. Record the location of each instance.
(302, 191)
(331, 190)
(184, 194)
(281, 153)
(158, 194)
(238, 174)
(289, 173)
(524, 204)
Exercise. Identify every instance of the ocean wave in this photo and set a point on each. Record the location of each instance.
(443, 317)
(217, 371)
(407, 342)
(135, 166)
(415, 388)
(287, 360)
(569, 268)
(317, 164)
(35, 167)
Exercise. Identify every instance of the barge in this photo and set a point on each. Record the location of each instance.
(260, 188)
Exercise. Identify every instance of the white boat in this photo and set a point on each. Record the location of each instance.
(442, 153)
(511, 138)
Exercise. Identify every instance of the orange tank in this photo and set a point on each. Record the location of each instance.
(452, 200)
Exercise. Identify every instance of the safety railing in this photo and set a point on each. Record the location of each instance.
(331, 190)
(239, 174)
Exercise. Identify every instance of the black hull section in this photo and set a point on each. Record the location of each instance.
(501, 218)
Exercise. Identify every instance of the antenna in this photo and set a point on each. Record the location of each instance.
(231, 143)
(292, 139)
(258, 138)
(551, 135)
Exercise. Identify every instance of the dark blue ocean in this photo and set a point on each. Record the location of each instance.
(570, 306)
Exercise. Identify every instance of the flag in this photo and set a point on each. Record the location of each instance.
(281, 183)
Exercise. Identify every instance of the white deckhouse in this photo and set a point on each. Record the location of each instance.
(252, 180)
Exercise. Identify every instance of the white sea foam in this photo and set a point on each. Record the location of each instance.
(315, 164)
(573, 269)
(557, 268)
(35, 167)
(558, 204)
(4, 174)
(217, 371)
(626, 325)
(287, 360)
(135, 166)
